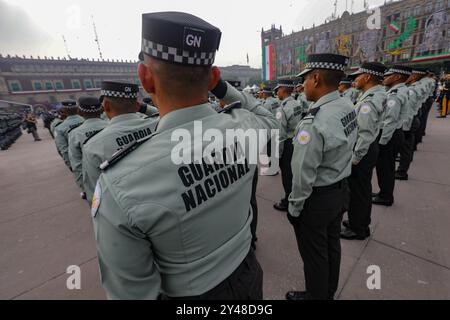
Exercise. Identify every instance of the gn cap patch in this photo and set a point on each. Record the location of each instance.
(303, 137)
(96, 199)
(365, 109)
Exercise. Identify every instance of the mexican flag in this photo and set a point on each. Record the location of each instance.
(267, 71)
(394, 26)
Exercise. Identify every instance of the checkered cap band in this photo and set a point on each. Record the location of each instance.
(393, 70)
(176, 55)
(118, 94)
(375, 73)
(91, 109)
(325, 65)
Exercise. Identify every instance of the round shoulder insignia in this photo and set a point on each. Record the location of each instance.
(365, 109)
(391, 103)
(303, 137)
(96, 199)
(278, 115)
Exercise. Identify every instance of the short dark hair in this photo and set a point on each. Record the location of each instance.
(331, 78)
(122, 105)
(178, 77)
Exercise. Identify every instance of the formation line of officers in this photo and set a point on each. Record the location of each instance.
(187, 231)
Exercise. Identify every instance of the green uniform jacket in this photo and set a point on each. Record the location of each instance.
(272, 104)
(120, 132)
(352, 94)
(54, 123)
(323, 148)
(289, 116)
(176, 229)
(77, 137)
(370, 110)
(62, 138)
(304, 103)
(395, 103)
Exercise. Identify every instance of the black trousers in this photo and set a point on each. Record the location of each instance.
(317, 231)
(245, 283)
(285, 167)
(360, 184)
(386, 165)
(407, 151)
(424, 119)
(254, 205)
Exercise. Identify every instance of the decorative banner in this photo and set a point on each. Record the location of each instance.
(394, 24)
(344, 45)
(267, 72)
(435, 29)
(301, 54)
(395, 45)
(323, 45)
(285, 62)
(368, 43)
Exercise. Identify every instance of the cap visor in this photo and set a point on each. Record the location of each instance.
(276, 88)
(304, 72)
(355, 74)
(388, 73)
(141, 56)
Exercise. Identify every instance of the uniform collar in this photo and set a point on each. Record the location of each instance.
(288, 99)
(91, 120)
(75, 116)
(326, 98)
(371, 90)
(397, 86)
(181, 116)
(124, 117)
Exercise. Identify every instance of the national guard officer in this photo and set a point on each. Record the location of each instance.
(90, 109)
(417, 95)
(289, 115)
(430, 88)
(119, 99)
(321, 163)
(369, 110)
(72, 120)
(180, 228)
(347, 90)
(301, 98)
(271, 103)
(57, 121)
(391, 136)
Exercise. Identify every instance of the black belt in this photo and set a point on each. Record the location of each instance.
(337, 185)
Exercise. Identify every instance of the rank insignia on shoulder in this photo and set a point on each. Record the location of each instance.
(123, 152)
(154, 115)
(228, 108)
(395, 91)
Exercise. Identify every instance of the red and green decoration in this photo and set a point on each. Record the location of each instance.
(410, 26)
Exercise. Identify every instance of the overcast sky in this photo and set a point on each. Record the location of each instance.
(34, 27)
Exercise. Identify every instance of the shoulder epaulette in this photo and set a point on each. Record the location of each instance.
(311, 114)
(154, 115)
(85, 141)
(123, 152)
(74, 127)
(58, 124)
(395, 91)
(228, 108)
